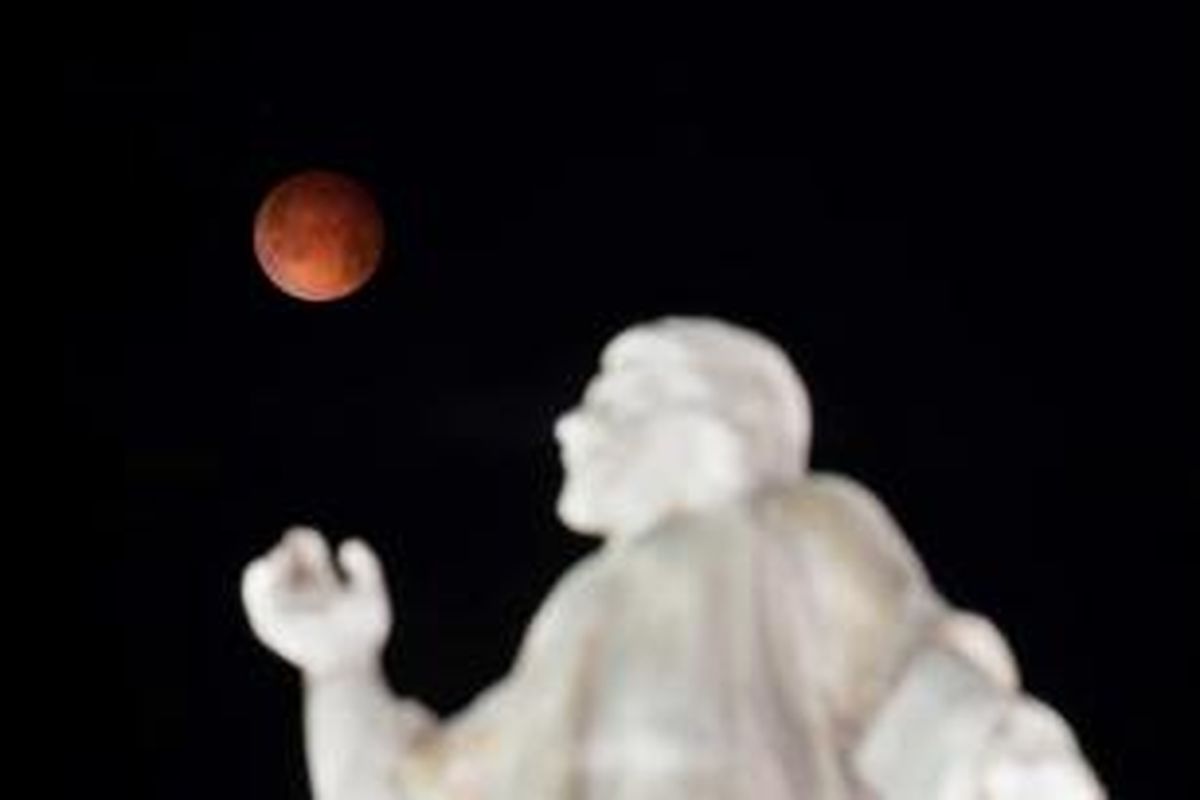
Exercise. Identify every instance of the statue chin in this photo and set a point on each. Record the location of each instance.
(578, 511)
(572, 520)
(591, 512)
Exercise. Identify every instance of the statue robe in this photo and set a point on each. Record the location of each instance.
(739, 655)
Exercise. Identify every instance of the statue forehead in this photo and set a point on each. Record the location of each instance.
(651, 364)
(642, 361)
(634, 384)
(648, 347)
(699, 358)
(698, 344)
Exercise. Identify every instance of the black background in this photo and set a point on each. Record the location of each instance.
(965, 229)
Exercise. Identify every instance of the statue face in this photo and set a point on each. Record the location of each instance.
(646, 441)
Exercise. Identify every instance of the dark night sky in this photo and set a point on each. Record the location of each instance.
(966, 231)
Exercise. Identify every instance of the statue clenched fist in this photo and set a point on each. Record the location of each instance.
(321, 617)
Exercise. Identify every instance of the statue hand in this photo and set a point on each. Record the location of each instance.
(302, 609)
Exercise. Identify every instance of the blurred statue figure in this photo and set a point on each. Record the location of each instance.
(749, 631)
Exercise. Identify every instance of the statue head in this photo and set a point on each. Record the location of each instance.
(686, 414)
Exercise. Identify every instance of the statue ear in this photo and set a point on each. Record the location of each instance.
(718, 455)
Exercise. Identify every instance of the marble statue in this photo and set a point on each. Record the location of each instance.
(749, 630)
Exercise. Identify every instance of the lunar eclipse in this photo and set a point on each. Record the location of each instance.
(318, 236)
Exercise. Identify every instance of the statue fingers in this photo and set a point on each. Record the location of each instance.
(305, 562)
(364, 572)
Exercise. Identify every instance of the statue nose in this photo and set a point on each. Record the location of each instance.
(566, 427)
(575, 430)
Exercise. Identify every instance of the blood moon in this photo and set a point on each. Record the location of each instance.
(318, 235)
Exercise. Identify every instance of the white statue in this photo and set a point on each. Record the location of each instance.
(750, 631)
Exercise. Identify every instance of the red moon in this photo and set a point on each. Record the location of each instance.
(318, 236)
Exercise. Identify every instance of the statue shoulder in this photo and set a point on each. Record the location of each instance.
(867, 590)
(570, 605)
(831, 496)
(838, 518)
